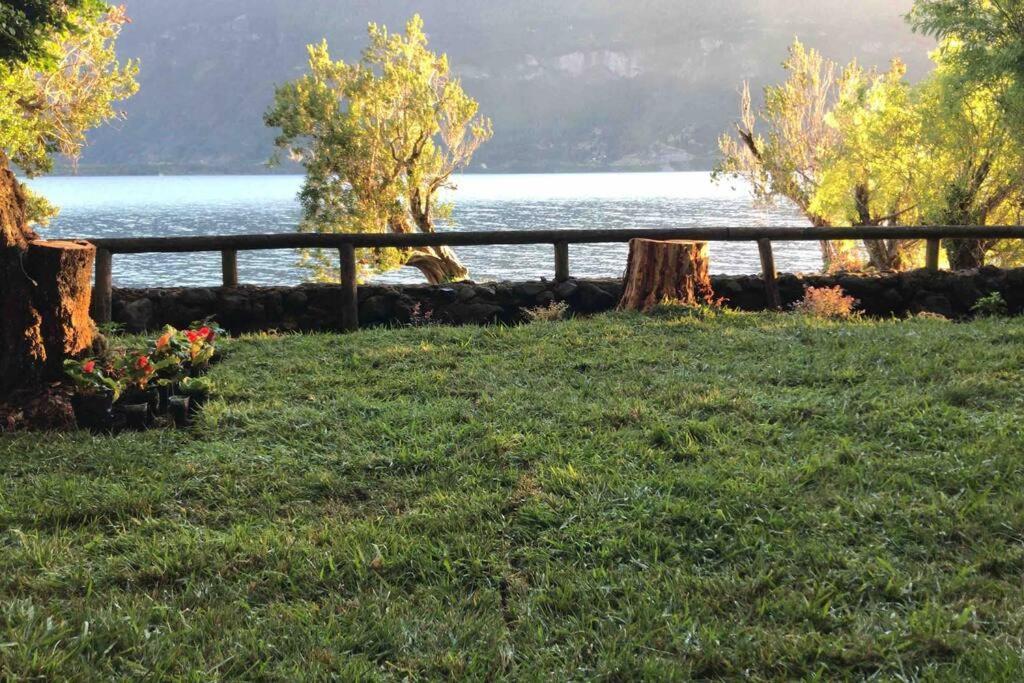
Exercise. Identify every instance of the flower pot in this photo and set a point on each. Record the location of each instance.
(164, 391)
(138, 416)
(94, 412)
(199, 371)
(179, 409)
(149, 397)
(196, 402)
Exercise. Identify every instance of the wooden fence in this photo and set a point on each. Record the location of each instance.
(346, 244)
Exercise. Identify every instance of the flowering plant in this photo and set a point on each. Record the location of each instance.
(201, 345)
(139, 369)
(92, 378)
(170, 351)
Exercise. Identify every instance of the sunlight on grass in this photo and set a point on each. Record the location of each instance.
(623, 497)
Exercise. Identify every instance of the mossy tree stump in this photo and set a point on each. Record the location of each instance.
(666, 270)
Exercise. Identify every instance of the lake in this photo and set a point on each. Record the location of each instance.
(165, 206)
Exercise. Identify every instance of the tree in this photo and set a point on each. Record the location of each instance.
(871, 176)
(788, 159)
(977, 115)
(972, 162)
(59, 78)
(379, 140)
(982, 43)
(26, 30)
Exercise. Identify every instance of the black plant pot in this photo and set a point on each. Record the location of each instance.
(180, 410)
(196, 402)
(94, 413)
(165, 391)
(138, 416)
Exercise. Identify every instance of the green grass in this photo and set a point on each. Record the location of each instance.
(758, 496)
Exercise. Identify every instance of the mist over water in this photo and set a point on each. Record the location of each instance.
(165, 206)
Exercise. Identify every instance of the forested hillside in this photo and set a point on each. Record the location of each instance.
(571, 85)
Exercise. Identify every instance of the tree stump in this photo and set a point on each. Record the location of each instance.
(46, 311)
(673, 270)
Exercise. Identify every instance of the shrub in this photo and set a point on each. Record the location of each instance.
(990, 306)
(830, 303)
(421, 316)
(556, 310)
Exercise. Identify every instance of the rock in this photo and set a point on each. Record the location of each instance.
(529, 290)
(138, 316)
(726, 286)
(566, 289)
(294, 301)
(474, 314)
(315, 307)
(376, 310)
(201, 297)
(590, 298)
(930, 302)
(545, 298)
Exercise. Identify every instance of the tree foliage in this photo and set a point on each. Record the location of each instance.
(380, 139)
(981, 42)
(50, 101)
(851, 147)
(28, 26)
(800, 139)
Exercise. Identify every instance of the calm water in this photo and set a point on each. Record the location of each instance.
(230, 205)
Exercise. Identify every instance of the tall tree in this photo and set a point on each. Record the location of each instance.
(977, 106)
(60, 77)
(972, 162)
(788, 159)
(380, 139)
(871, 175)
(981, 42)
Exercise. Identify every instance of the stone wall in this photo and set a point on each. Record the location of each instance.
(315, 307)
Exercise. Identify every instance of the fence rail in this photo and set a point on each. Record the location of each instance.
(346, 244)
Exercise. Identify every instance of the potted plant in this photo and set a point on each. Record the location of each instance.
(168, 354)
(96, 390)
(141, 399)
(197, 390)
(201, 349)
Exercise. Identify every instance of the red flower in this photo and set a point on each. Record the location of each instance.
(193, 336)
(143, 363)
(206, 333)
(88, 367)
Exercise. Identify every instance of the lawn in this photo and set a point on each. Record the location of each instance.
(622, 497)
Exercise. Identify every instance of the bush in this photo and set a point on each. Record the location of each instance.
(830, 303)
(556, 310)
(990, 306)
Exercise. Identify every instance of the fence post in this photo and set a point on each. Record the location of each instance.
(103, 291)
(768, 273)
(349, 289)
(229, 267)
(932, 255)
(561, 261)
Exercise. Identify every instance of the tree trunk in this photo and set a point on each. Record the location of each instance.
(659, 271)
(44, 297)
(438, 264)
(891, 255)
(966, 254)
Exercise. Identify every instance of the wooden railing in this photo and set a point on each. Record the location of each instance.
(346, 244)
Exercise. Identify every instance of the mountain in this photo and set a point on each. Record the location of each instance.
(573, 85)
